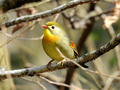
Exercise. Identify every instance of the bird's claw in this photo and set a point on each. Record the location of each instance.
(48, 65)
(62, 62)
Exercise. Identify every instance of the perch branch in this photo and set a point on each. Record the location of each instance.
(81, 60)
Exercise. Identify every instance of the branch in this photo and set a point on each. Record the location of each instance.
(81, 60)
(58, 84)
(35, 82)
(6, 5)
(47, 13)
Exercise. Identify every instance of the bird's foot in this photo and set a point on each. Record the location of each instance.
(62, 62)
(48, 65)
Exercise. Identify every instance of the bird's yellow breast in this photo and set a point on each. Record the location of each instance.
(49, 37)
(49, 45)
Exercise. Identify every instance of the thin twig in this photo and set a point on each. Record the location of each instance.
(12, 38)
(59, 84)
(6, 5)
(23, 38)
(30, 5)
(56, 17)
(109, 83)
(33, 81)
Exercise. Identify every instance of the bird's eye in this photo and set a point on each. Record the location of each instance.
(53, 27)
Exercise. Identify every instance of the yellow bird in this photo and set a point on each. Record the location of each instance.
(56, 37)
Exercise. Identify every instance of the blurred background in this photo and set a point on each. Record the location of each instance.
(89, 25)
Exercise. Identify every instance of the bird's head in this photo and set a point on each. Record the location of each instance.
(53, 28)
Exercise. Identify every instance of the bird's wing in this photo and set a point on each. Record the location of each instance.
(72, 45)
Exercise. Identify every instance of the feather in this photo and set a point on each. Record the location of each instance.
(72, 45)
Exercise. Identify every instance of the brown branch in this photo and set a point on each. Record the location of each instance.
(6, 5)
(47, 13)
(81, 60)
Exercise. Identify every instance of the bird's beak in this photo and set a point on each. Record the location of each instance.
(44, 26)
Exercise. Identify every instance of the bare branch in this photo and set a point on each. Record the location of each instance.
(81, 60)
(33, 81)
(59, 84)
(11, 4)
(47, 13)
(35, 4)
(12, 38)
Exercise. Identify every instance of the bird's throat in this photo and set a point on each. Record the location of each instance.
(49, 37)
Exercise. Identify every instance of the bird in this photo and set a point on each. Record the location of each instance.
(55, 38)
